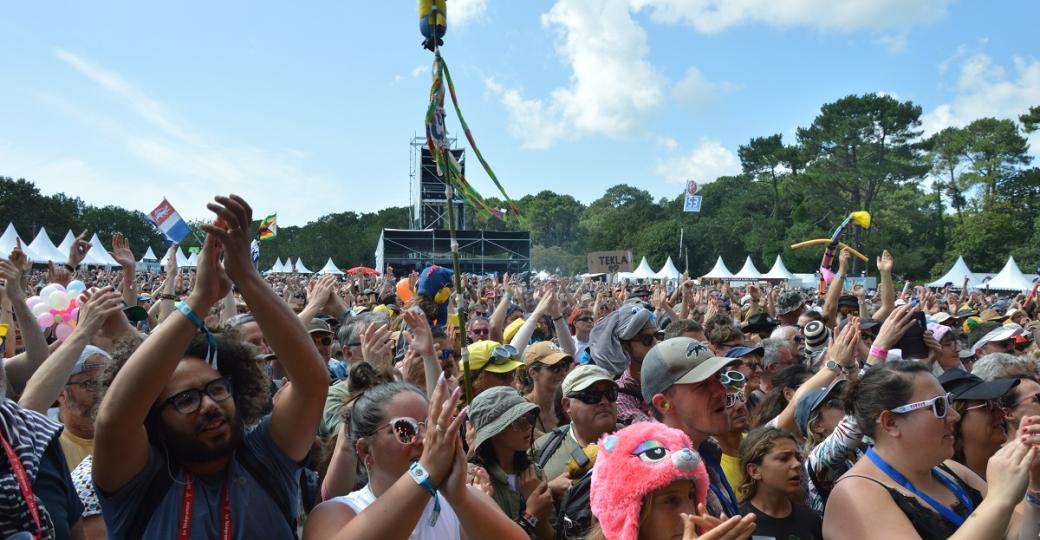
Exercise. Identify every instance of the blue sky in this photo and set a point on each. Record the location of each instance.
(308, 110)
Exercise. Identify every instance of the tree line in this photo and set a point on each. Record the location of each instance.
(967, 191)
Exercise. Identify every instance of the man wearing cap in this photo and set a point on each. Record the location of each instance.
(491, 364)
(751, 367)
(978, 402)
(681, 381)
(999, 339)
(321, 334)
(618, 344)
(790, 304)
(589, 396)
(75, 403)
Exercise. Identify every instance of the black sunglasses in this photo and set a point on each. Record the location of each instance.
(649, 339)
(583, 319)
(592, 397)
(190, 401)
(556, 369)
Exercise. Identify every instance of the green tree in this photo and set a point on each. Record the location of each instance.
(994, 149)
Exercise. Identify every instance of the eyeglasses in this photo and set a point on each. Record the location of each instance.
(991, 406)
(323, 340)
(189, 401)
(1035, 398)
(940, 406)
(406, 430)
(447, 353)
(90, 385)
(734, 380)
(592, 397)
(798, 339)
(556, 369)
(649, 339)
(753, 366)
(583, 319)
(480, 331)
(734, 398)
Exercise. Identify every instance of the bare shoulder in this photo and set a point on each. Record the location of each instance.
(967, 475)
(327, 519)
(860, 507)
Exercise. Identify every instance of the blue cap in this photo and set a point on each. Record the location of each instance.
(811, 401)
(737, 352)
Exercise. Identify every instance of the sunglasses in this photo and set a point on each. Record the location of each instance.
(592, 397)
(754, 366)
(527, 421)
(323, 340)
(190, 401)
(555, 369)
(798, 339)
(733, 380)
(991, 406)
(649, 339)
(583, 319)
(407, 430)
(480, 331)
(734, 398)
(447, 353)
(503, 354)
(940, 406)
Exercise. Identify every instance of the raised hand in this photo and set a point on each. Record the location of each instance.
(100, 305)
(232, 229)
(895, 325)
(58, 274)
(121, 252)
(734, 528)
(441, 444)
(859, 291)
(171, 260)
(19, 258)
(884, 262)
(844, 258)
(12, 276)
(211, 281)
(78, 250)
(419, 333)
(844, 346)
(375, 345)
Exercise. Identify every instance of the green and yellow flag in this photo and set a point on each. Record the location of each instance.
(268, 227)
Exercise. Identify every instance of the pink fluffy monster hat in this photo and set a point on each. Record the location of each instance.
(633, 462)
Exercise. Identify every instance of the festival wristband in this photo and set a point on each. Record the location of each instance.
(421, 477)
(879, 352)
(1033, 499)
(211, 340)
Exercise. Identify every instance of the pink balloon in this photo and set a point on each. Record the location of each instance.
(63, 331)
(45, 320)
(75, 314)
(32, 301)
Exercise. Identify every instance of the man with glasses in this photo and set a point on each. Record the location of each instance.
(580, 322)
(750, 367)
(619, 342)
(589, 399)
(683, 382)
(75, 403)
(491, 364)
(998, 340)
(737, 390)
(321, 335)
(795, 341)
(478, 329)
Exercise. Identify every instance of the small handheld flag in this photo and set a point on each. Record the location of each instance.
(268, 227)
(169, 222)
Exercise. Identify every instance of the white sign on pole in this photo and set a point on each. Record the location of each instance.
(692, 204)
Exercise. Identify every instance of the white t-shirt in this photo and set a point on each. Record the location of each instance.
(446, 528)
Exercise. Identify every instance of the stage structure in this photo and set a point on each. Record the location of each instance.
(429, 241)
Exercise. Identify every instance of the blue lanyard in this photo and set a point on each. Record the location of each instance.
(728, 499)
(939, 507)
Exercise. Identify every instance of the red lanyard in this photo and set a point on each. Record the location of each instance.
(187, 506)
(23, 482)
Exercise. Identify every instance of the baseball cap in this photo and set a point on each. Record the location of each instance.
(941, 317)
(738, 352)
(318, 326)
(583, 377)
(1000, 333)
(992, 315)
(135, 314)
(680, 360)
(811, 401)
(491, 356)
(90, 351)
(545, 352)
(967, 387)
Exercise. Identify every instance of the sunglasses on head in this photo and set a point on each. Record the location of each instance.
(407, 430)
(592, 397)
(503, 354)
(940, 406)
(447, 353)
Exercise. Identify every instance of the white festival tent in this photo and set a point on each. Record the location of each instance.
(643, 271)
(330, 268)
(66, 243)
(748, 272)
(193, 261)
(148, 255)
(719, 271)
(9, 241)
(278, 267)
(956, 276)
(1010, 278)
(779, 271)
(182, 261)
(98, 255)
(44, 250)
(668, 271)
(299, 268)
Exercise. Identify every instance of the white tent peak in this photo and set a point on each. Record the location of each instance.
(330, 268)
(148, 255)
(98, 254)
(278, 267)
(668, 271)
(45, 250)
(719, 271)
(299, 268)
(193, 261)
(956, 275)
(779, 271)
(1010, 278)
(748, 271)
(643, 271)
(182, 261)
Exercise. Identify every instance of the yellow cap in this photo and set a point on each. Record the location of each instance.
(481, 352)
(512, 329)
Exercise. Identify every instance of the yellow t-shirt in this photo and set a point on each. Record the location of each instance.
(75, 448)
(734, 474)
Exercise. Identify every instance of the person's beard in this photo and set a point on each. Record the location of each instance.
(186, 448)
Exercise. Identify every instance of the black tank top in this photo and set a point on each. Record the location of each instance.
(927, 522)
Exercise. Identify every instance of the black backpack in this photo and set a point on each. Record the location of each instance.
(574, 518)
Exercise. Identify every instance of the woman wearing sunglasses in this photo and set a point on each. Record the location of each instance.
(907, 486)
(981, 430)
(547, 365)
(504, 424)
(417, 474)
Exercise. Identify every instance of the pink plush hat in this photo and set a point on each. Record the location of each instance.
(633, 462)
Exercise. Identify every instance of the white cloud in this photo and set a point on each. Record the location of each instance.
(711, 16)
(173, 159)
(893, 43)
(461, 12)
(612, 85)
(705, 163)
(668, 143)
(694, 89)
(986, 89)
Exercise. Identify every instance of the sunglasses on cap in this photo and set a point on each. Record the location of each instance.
(649, 339)
(503, 354)
(940, 406)
(407, 430)
(592, 397)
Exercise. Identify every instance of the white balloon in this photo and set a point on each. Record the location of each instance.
(40, 309)
(47, 291)
(58, 300)
(76, 285)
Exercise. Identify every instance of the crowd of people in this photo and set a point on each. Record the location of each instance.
(223, 403)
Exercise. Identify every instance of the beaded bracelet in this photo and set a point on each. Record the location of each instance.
(211, 340)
